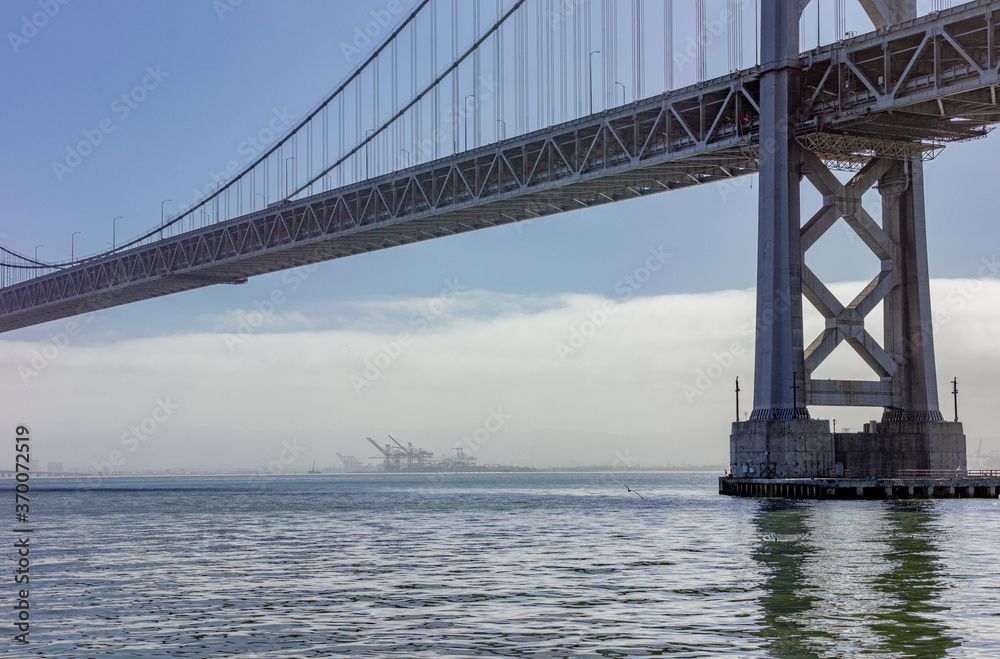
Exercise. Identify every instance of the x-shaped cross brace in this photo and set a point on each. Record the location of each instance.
(847, 323)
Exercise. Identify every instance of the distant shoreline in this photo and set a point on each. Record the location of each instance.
(590, 469)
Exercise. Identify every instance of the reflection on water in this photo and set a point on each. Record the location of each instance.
(861, 579)
(784, 549)
(910, 624)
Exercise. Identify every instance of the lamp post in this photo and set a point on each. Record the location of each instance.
(72, 246)
(161, 216)
(36, 252)
(591, 78)
(218, 204)
(114, 232)
(623, 90)
(407, 156)
(368, 134)
(287, 188)
(465, 107)
(501, 121)
(262, 198)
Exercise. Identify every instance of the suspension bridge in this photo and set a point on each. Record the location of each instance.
(470, 115)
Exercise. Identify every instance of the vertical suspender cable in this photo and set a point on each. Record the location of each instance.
(436, 100)
(357, 128)
(637, 48)
(578, 59)
(394, 144)
(668, 45)
(340, 141)
(605, 50)
(415, 128)
(553, 67)
(475, 78)
(564, 67)
(497, 83)
(585, 66)
(699, 18)
(540, 68)
(756, 32)
(454, 75)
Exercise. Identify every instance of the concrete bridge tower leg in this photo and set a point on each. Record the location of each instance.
(779, 439)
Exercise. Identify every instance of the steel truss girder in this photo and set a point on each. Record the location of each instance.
(908, 81)
(654, 146)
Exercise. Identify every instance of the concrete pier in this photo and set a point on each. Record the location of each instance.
(970, 486)
(806, 448)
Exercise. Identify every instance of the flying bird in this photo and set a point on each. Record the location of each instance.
(632, 491)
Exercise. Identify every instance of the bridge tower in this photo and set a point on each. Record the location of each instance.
(781, 439)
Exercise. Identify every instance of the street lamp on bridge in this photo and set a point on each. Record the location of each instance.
(368, 135)
(465, 107)
(590, 77)
(287, 188)
(114, 238)
(72, 246)
(161, 216)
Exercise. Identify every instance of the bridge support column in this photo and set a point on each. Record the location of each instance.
(780, 439)
(779, 386)
(909, 338)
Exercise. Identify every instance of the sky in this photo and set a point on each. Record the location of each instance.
(576, 339)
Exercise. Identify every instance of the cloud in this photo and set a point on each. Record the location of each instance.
(581, 377)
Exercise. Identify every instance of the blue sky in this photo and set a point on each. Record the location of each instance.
(216, 72)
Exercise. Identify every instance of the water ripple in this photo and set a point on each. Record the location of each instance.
(502, 565)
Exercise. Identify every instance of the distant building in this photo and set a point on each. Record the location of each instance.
(56, 466)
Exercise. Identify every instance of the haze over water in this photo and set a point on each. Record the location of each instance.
(501, 565)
